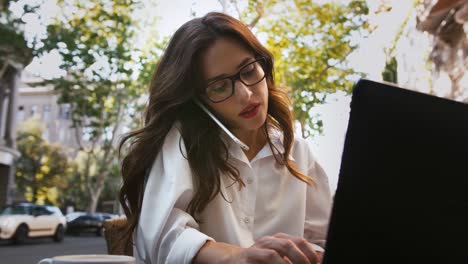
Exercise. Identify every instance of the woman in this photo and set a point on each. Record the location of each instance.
(190, 192)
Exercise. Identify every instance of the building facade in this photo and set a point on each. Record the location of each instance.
(18, 102)
(41, 103)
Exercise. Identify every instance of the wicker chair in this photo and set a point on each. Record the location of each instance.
(113, 229)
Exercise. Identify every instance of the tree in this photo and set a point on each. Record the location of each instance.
(76, 194)
(42, 167)
(111, 189)
(107, 72)
(14, 49)
(310, 42)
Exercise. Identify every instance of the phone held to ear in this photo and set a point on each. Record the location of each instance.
(238, 141)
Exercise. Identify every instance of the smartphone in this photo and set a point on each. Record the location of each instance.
(238, 141)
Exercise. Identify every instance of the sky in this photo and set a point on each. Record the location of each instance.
(369, 59)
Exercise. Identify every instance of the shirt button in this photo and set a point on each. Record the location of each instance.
(249, 180)
(246, 220)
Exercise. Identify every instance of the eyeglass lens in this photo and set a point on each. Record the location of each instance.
(249, 75)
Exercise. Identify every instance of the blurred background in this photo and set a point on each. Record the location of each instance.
(74, 77)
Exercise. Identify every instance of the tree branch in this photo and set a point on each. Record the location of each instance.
(236, 6)
(260, 12)
(116, 126)
(333, 65)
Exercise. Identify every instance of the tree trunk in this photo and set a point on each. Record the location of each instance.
(89, 187)
(34, 193)
(302, 121)
(94, 199)
(103, 165)
(34, 184)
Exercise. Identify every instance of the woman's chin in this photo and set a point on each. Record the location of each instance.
(252, 124)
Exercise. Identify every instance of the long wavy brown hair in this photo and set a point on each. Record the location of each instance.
(177, 80)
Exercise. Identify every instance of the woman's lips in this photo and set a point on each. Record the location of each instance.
(250, 111)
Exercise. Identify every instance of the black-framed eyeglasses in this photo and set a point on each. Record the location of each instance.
(250, 74)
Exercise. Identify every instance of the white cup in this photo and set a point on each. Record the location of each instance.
(87, 259)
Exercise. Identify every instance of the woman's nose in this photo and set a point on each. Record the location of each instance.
(243, 91)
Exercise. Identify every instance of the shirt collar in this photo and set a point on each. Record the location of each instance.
(276, 137)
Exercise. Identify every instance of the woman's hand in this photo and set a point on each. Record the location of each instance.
(292, 249)
(280, 248)
(218, 252)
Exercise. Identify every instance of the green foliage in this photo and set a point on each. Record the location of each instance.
(310, 42)
(94, 42)
(390, 72)
(13, 44)
(75, 193)
(112, 186)
(108, 69)
(42, 167)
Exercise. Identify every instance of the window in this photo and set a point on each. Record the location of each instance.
(12, 210)
(40, 210)
(20, 114)
(34, 110)
(46, 112)
(64, 111)
(53, 210)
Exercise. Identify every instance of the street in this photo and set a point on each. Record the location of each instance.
(36, 249)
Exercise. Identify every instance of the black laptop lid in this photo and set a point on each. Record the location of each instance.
(402, 194)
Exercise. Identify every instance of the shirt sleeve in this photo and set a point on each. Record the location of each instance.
(318, 206)
(166, 233)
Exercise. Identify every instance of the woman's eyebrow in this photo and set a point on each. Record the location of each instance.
(243, 62)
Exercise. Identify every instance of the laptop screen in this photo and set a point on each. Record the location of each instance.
(402, 194)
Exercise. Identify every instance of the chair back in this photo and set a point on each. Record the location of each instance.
(113, 230)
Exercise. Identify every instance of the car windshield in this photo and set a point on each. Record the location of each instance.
(53, 210)
(14, 210)
(72, 216)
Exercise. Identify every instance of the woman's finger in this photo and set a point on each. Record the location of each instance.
(265, 255)
(284, 247)
(287, 260)
(303, 246)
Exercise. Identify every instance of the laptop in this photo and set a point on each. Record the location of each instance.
(402, 194)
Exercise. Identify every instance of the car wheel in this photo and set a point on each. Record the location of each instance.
(75, 232)
(21, 234)
(100, 231)
(59, 234)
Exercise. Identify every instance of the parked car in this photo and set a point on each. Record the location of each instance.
(73, 215)
(86, 223)
(24, 220)
(106, 216)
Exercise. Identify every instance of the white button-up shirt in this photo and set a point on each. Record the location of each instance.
(272, 201)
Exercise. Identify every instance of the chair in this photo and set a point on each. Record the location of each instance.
(113, 230)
